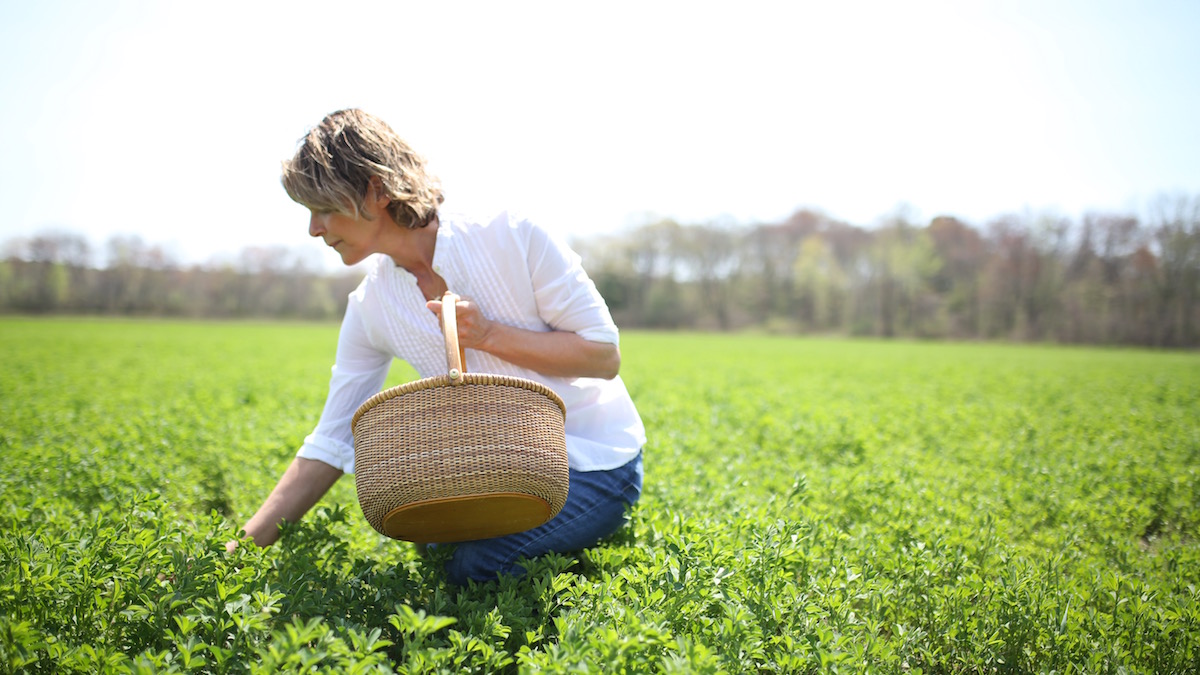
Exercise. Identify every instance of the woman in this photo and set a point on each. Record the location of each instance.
(531, 311)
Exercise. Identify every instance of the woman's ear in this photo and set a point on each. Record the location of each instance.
(375, 191)
(376, 201)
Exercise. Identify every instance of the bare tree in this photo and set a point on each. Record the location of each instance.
(1175, 224)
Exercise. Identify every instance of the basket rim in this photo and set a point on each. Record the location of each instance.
(457, 383)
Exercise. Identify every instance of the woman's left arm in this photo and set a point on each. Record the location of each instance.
(554, 353)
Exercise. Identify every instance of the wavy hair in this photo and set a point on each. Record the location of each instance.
(337, 159)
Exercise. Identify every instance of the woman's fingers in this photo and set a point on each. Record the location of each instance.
(472, 324)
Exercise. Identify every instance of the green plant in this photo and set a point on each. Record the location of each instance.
(860, 506)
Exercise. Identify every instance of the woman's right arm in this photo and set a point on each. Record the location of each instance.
(300, 487)
(328, 452)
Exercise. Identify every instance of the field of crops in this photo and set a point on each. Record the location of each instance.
(810, 506)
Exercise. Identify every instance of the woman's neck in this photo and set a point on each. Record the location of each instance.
(413, 249)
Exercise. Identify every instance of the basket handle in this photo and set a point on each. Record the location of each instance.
(456, 357)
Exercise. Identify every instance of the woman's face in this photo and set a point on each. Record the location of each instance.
(353, 237)
(356, 236)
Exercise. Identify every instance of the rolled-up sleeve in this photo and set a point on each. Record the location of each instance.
(566, 296)
(359, 372)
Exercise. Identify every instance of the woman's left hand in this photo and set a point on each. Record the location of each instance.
(474, 329)
(555, 353)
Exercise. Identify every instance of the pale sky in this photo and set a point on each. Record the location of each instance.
(169, 120)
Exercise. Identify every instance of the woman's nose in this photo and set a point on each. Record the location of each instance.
(315, 227)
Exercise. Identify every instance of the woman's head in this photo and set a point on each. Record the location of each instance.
(339, 160)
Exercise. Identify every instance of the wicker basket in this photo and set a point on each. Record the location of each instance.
(461, 456)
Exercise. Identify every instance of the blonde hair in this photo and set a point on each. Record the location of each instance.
(336, 161)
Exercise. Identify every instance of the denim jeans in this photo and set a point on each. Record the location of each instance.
(595, 508)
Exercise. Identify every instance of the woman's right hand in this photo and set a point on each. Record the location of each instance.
(300, 487)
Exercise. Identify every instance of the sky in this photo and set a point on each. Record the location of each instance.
(169, 120)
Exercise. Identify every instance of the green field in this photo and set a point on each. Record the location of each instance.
(810, 506)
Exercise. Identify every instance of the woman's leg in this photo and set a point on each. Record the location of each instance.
(595, 508)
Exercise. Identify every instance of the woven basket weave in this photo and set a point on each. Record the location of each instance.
(460, 456)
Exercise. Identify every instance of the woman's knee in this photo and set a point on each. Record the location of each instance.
(596, 508)
(478, 561)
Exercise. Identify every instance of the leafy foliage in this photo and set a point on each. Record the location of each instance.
(810, 506)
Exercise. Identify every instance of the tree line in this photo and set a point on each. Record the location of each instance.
(1105, 278)
(53, 272)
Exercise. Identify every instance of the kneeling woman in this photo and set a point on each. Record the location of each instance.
(531, 311)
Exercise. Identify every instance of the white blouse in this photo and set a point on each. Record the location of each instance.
(518, 274)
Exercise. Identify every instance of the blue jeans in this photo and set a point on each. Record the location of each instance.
(595, 508)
